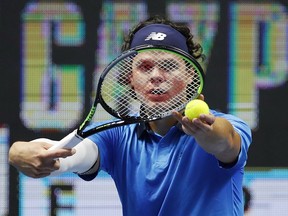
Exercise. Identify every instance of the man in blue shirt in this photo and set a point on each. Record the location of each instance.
(172, 166)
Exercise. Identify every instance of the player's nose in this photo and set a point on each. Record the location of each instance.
(156, 75)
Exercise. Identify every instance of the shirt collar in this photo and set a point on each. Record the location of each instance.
(144, 127)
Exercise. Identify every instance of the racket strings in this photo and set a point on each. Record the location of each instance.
(168, 83)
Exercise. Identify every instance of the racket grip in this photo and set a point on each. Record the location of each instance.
(68, 141)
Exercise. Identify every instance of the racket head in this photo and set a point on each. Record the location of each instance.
(149, 82)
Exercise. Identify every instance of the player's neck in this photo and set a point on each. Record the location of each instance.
(162, 126)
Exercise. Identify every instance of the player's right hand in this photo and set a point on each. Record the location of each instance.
(34, 160)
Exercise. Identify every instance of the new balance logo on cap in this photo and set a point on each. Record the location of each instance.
(159, 34)
(156, 36)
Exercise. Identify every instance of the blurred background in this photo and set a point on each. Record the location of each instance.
(52, 53)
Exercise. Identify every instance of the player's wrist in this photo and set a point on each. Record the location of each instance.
(82, 161)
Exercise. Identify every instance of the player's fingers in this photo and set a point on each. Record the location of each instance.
(40, 169)
(42, 175)
(52, 165)
(185, 122)
(208, 119)
(178, 116)
(201, 97)
(37, 174)
(60, 153)
(188, 126)
(47, 145)
(44, 170)
(201, 125)
(45, 164)
(189, 131)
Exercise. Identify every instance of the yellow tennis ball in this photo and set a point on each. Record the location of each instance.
(195, 108)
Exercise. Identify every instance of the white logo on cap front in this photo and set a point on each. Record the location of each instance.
(156, 36)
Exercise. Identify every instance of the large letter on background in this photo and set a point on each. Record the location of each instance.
(51, 95)
(257, 55)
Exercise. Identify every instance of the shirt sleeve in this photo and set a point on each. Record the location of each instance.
(246, 138)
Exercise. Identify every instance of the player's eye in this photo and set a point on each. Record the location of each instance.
(145, 66)
(169, 65)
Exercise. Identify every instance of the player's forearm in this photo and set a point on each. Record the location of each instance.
(35, 160)
(85, 159)
(222, 141)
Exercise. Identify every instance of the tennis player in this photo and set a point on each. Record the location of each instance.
(171, 166)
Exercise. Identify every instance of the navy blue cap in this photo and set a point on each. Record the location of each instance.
(159, 34)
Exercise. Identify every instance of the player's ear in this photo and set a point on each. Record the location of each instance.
(130, 80)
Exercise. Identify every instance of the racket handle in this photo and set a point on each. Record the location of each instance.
(68, 141)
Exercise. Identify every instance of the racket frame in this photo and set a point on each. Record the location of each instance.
(133, 119)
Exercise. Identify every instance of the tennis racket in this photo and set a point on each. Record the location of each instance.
(143, 84)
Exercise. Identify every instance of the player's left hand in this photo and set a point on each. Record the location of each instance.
(197, 126)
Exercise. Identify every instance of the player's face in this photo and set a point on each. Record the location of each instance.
(159, 78)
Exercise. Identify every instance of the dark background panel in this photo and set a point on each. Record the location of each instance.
(269, 147)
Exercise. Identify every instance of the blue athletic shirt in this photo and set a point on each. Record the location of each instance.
(171, 175)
